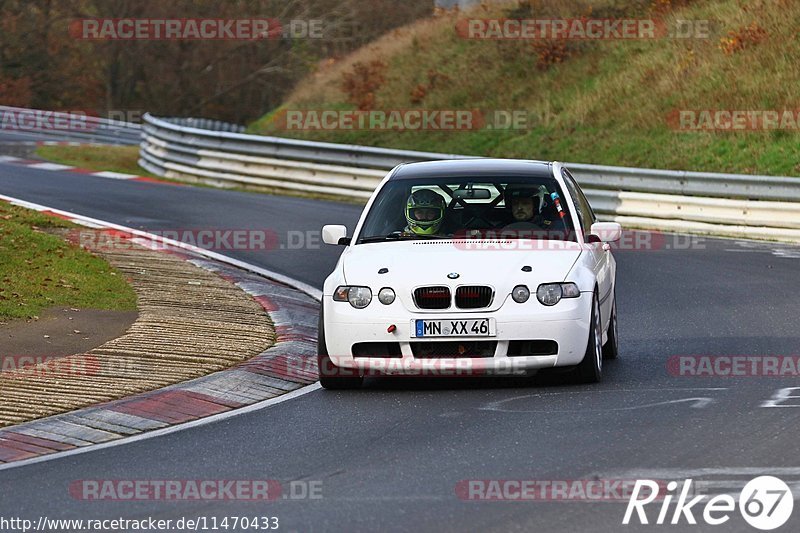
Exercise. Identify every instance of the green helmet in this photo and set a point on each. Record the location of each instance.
(425, 212)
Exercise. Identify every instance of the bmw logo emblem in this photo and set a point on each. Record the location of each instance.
(453, 275)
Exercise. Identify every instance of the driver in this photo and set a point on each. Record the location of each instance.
(526, 203)
(424, 213)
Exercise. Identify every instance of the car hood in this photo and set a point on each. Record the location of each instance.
(499, 264)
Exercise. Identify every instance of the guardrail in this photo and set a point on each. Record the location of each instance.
(207, 124)
(763, 207)
(68, 126)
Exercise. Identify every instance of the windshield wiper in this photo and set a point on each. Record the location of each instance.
(393, 236)
(398, 236)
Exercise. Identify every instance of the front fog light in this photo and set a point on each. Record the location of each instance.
(520, 294)
(359, 297)
(386, 296)
(549, 294)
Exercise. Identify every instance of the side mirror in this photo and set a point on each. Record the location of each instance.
(605, 232)
(335, 234)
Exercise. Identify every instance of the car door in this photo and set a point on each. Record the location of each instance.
(602, 259)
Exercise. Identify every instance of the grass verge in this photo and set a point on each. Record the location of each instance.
(39, 270)
(114, 158)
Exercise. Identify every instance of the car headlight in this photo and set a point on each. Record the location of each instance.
(359, 297)
(552, 293)
(520, 294)
(386, 295)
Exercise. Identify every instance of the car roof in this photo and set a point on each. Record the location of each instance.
(461, 168)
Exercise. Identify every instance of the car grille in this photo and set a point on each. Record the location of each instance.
(472, 349)
(432, 297)
(474, 296)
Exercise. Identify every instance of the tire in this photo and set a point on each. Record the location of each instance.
(329, 374)
(590, 369)
(611, 347)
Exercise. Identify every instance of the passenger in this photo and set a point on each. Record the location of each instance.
(526, 203)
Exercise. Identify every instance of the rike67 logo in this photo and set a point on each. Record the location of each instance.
(765, 503)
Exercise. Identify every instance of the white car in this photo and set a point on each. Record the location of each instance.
(470, 267)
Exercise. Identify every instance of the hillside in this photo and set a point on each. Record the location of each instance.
(609, 101)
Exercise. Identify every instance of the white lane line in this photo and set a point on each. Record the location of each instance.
(50, 166)
(788, 254)
(114, 175)
(746, 251)
(59, 167)
(696, 402)
(164, 431)
(783, 250)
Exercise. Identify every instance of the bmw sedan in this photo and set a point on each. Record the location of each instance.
(470, 267)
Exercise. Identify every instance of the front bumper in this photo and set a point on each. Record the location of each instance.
(566, 323)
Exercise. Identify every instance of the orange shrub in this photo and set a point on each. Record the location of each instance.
(740, 39)
(363, 82)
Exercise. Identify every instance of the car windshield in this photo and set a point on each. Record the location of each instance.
(468, 208)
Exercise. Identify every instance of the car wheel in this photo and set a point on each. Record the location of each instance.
(330, 375)
(590, 370)
(611, 347)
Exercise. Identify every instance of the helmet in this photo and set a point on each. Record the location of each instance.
(425, 212)
(524, 190)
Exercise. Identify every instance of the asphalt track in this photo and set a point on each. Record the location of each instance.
(390, 457)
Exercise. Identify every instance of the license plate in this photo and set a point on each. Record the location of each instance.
(481, 327)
